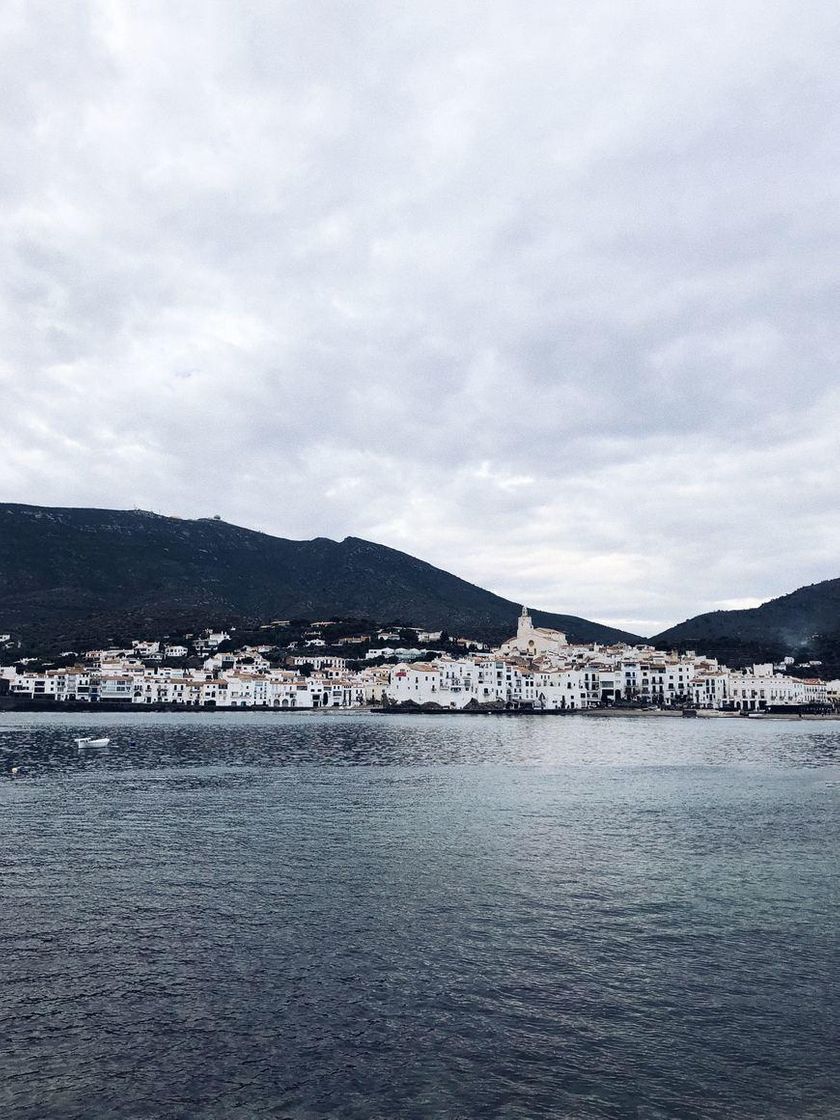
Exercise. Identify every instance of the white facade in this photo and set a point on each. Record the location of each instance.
(487, 682)
(326, 666)
(531, 641)
(210, 640)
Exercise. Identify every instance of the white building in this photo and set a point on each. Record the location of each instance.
(531, 641)
(326, 666)
(210, 640)
(487, 682)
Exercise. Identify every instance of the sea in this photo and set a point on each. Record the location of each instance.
(374, 917)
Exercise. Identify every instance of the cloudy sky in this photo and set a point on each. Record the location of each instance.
(545, 293)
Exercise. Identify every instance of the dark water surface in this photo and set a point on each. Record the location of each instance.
(236, 916)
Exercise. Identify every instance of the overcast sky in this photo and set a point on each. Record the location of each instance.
(545, 293)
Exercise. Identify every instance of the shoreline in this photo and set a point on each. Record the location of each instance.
(29, 706)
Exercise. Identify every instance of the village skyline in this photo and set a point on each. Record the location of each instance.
(536, 670)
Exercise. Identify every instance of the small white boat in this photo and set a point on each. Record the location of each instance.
(88, 743)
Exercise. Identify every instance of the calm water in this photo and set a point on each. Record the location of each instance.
(236, 916)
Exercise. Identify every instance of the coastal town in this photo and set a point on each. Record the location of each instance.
(536, 670)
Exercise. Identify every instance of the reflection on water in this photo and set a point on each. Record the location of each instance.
(45, 744)
(363, 916)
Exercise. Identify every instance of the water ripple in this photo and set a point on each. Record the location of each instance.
(362, 917)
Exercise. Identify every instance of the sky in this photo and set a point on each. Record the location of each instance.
(544, 293)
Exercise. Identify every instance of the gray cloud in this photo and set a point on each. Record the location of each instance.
(544, 294)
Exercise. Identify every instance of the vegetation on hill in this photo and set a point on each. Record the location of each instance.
(73, 577)
(804, 625)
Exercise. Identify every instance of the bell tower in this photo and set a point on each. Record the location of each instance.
(525, 627)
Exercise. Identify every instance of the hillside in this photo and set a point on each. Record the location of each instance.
(69, 576)
(803, 624)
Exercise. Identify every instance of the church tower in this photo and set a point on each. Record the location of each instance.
(524, 629)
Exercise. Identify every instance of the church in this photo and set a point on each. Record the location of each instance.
(531, 641)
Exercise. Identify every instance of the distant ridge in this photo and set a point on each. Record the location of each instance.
(74, 574)
(791, 620)
(802, 624)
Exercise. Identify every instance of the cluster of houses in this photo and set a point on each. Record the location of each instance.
(540, 669)
(242, 679)
(537, 669)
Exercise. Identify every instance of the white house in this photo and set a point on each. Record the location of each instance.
(325, 666)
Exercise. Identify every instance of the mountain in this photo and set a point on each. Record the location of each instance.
(803, 624)
(69, 576)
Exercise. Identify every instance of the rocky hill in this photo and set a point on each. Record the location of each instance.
(804, 624)
(71, 576)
